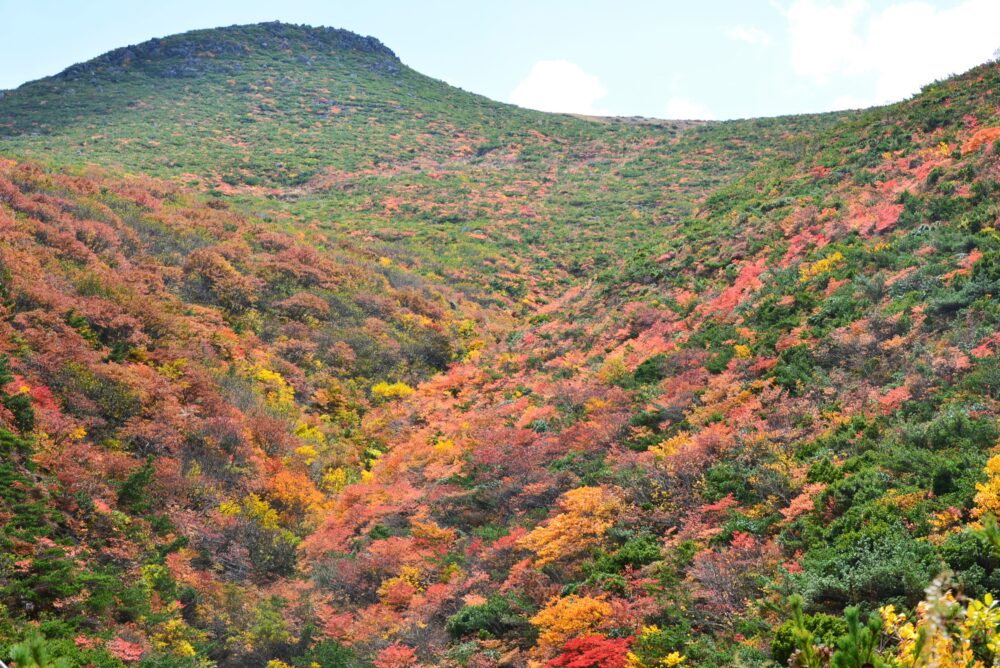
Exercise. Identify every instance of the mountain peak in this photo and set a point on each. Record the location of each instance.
(193, 53)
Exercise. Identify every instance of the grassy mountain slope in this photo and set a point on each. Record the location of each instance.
(317, 360)
(332, 130)
(171, 357)
(805, 402)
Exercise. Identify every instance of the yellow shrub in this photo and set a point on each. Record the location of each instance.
(174, 637)
(819, 267)
(259, 509)
(988, 493)
(587, 514)
(230, 508)
(613, 370)
(569, 617)
(277, 391)
(671, 445)
(387, 391)
(334, 480)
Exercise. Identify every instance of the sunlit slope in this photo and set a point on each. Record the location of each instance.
(324, 127)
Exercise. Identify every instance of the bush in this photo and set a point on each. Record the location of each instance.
(971, 557)
(826, 630)
(19, 404)
(652, 370)
(985, 378)
(874, 565)
(794, 369)
(328, 654)
(388, 391)
(134, 493)
(35, 653)
(637, 552)
(824, 471)
(497, 617)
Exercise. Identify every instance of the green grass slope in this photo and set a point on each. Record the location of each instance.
(327, 128)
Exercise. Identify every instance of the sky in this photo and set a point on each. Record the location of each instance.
(710, 59)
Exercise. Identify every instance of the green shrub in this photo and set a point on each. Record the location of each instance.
(497, 618)
(794, 370)
(328, 654)
(35, 652)
(134, 492)
(826, 629)
(872, 566)
(652, 370)
(19, 403)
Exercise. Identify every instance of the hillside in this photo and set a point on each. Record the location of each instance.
(303, 125)
(310, 359)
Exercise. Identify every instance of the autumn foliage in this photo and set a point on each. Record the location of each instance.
(386, 374)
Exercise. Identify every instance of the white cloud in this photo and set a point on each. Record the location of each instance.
(560, 86)
(749, 34)
(824, 37)
(842, 102)
(902, 47)
(917, 43)
(682, 108)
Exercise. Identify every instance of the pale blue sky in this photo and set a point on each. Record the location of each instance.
(666, 58)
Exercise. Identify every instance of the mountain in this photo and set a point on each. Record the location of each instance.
(332, 128)
(309, 359)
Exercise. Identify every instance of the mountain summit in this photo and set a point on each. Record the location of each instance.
(222, 50)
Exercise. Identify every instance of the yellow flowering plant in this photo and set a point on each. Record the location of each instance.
(654, 647)
(945, 632)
